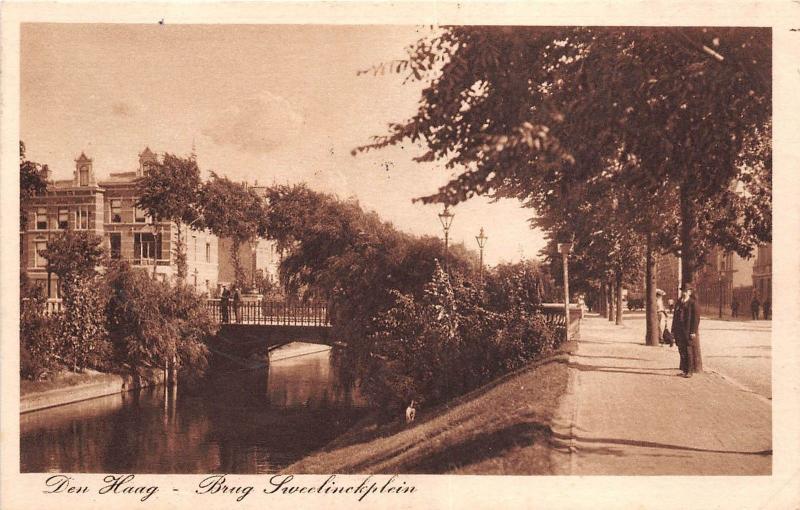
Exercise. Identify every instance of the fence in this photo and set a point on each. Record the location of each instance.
(270, 313)
(554, 314)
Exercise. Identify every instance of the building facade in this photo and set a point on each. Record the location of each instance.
(107, 208)
(725, 276)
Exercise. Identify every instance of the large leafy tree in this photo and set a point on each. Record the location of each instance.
(74, 257)
(537, 112)
(169, 191)
(154, 324)
(235, 211)
(32, 181)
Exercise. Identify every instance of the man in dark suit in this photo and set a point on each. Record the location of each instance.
(685, 324)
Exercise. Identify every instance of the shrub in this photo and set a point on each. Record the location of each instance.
(152, 323)
(448, 341)
(38, 345)
(81, 329)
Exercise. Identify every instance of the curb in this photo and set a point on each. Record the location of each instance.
(736, 384)
(565, 447)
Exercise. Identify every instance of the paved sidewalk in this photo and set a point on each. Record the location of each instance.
(628, 412)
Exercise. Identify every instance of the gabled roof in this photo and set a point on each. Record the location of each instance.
(82, 157)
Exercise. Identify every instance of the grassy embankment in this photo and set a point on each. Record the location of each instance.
(503, 427)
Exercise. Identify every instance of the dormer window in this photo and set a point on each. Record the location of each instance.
(83, 176)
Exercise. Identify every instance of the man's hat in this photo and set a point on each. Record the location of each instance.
(660, 292)
(687, 286)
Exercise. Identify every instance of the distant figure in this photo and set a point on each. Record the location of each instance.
(662, 318)
(685, 326)
(224, 302)
(237, 304)
(411, 411)
(755, 304)
(734, 307)
(767, 307)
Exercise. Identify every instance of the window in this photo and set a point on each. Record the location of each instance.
(84, 176)
(82, 218)
(63, 219)
(115, 240)
(41, 218)
(38, 260)
(208, 252)
(116, 211)
(139, 216)
(145, 248)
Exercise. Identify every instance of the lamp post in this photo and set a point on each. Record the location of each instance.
(481, 238)
(564, 249)
(446, 218)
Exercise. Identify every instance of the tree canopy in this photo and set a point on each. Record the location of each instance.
(231, 209)
(32, 181)
(542, 113)
(169, 190)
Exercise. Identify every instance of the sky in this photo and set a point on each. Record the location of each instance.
(262, 103)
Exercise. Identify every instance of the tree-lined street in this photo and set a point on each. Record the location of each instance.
(625, 412)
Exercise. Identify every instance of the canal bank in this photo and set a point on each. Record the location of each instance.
(238, 420)
(505, 427)
(70, 387)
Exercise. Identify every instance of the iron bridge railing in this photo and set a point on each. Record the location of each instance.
(270, 313)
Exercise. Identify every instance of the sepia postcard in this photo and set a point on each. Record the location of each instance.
(400, 255)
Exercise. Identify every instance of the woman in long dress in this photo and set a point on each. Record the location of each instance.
(662, 317)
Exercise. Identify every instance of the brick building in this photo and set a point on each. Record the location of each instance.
(724, 276)
(107, 208)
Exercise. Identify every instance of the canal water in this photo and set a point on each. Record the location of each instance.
(240, 421)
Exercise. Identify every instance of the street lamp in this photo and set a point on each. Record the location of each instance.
(564, 249)
(446, 218)
(481, 238)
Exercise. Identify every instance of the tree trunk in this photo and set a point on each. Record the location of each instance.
(689, 262)
(180, 254)
(610, 300)
(652, 330)
(602, 301)
(618, 321)
(237, 263)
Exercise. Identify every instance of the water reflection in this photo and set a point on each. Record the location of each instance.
(242, 421)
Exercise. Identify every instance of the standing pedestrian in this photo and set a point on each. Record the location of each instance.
(734, 307)
(755, 304)
(237, 304)
(224, 302)
(685, 326)
(662, 318)
(767, 307)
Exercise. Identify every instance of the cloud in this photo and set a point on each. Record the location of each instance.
(121, 109)
(256, 124)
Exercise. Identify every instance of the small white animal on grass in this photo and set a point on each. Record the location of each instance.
(411, 411)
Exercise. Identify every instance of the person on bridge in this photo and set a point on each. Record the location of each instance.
(767, 307)
(755, 304)
(734, 307)
(685, 326)
(224, 303)
(237, 304)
